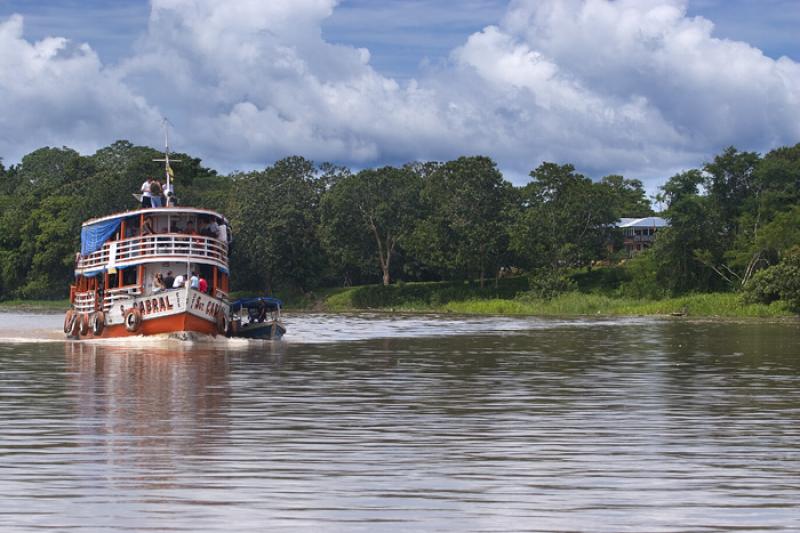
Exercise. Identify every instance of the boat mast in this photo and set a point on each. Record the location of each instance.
(167, 168)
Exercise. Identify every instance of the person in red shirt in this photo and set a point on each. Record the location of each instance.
(203, 285)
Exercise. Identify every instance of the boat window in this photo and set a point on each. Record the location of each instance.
(131, 227)
(129, 276)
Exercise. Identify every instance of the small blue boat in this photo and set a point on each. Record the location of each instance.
(256, 318)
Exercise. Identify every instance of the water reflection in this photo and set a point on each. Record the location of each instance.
(148, 407)
(557, 426)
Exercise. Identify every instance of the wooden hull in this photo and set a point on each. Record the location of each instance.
(184, 322)
(175, 311)
(181, 322)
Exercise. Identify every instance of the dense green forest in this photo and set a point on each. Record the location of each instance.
(735, 223)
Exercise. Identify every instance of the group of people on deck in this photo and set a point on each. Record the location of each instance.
(156, 195)
(161, 282)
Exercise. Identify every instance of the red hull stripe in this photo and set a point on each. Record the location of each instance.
(166, 324)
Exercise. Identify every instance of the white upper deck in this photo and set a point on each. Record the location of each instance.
(153, 235)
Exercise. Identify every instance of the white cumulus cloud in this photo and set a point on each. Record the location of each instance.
(626, 86)
(54, 92)
(639, 86)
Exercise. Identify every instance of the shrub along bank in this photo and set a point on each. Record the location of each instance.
(520, 296)
(422, 296)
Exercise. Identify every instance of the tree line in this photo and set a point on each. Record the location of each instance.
(298, 225)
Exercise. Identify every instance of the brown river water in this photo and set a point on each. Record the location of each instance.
(401, 423)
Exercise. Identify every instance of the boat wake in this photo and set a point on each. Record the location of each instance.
(311, 329)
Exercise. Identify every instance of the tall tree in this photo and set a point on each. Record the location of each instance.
(763, 230)
(275, 218)
(731, 187)
(48, 168)
(566, 220)
(627, 196)
(466, 224)
(39, 229)
(370, 214)
(8, 181)
(686, 251)
(54, 225)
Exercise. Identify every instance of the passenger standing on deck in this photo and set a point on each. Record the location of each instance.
(147, 228)
(158, 283)
(169, 280)
(203, 285)
(213, 228)
(155, 193)
(202, 227)
(179, 282)
(146, 195)
(224, 235)
(194, 281)
(196, 244)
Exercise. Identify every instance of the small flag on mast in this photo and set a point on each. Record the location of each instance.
(166, 160)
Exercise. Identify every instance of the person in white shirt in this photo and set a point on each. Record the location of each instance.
(146, 195)
(222, 233)
(179, 282)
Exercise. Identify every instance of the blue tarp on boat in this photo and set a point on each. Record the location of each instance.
(94, 235)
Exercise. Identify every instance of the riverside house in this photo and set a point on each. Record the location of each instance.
(638, 233)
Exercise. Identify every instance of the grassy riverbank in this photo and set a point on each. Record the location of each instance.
(700, 305)
(34, 305)
(509, 299)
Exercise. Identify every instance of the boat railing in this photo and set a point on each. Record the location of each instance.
(85, 301)
(164, 245)
(113, 296)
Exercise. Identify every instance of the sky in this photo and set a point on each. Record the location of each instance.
(642, 88)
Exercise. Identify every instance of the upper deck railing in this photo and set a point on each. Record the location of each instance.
(157, 247)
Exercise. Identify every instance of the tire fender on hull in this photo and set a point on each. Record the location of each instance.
(133, 319)
(97, 323)
(75, 329)
(222, 323)
(69, 321)
(83, 320)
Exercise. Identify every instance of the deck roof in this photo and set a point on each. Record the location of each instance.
(156, 211)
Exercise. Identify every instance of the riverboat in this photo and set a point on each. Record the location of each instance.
(114, 294)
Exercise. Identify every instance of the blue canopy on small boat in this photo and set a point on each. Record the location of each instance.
(256, 303)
